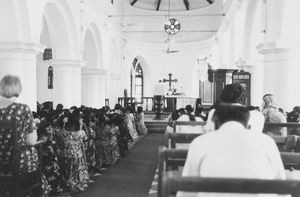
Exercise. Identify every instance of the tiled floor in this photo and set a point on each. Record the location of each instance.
(153, 189)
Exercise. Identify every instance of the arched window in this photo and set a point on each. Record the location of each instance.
(137, 81)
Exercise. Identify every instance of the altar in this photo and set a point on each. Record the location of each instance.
(176, 102)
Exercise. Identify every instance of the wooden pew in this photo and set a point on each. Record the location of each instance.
(267, 126)
(290, 125)
(170, 158)
(188, 123)
(172, 138)
(172, 183)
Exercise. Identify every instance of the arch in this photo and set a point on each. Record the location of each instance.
(115, 57)
(92, 38)
(251, 11)
(90, 50)
(62, 30)
(290, 14)
(139, 60)
(8, 19)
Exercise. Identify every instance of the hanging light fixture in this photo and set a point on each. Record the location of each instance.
(172, 26)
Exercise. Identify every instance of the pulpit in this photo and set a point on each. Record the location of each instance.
(219, 79)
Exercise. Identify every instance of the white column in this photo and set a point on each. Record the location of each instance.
(93, 90)
(18, 58)
(67, 82)
(281, 73)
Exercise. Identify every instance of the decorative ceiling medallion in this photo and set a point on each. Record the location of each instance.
(172, 26)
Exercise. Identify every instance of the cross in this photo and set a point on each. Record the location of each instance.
(170, 80)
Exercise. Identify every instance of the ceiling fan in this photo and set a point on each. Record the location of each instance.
(168, 50)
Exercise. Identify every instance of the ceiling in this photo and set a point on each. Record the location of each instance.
(173, 5)
(144, 20)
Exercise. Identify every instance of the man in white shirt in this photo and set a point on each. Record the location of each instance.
(232, 151)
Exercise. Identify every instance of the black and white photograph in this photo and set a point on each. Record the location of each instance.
(149, 98)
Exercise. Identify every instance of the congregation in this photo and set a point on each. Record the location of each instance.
(78, 141)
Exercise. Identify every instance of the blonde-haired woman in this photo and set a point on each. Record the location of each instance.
(273, 115)
(16, 141)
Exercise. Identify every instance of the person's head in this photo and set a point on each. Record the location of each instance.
(73, 121)
(269, 101)
(189, 109)
(198, 111)
(160, 81)
(233, 93)
(139, 109)
(175, 115)
(59, 107)
(231, 112)
(10, 86)
(181, 111)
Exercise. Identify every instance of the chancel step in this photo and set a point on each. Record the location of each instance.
(156, 126)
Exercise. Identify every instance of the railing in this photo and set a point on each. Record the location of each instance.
(147, 102)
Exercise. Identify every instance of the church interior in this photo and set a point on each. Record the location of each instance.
(113, 60)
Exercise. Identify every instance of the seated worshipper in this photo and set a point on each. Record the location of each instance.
(232, 93)
(273, 115)
(231, 151)
(171, 121)
(16, 152)
(140, 124)
(129, 118)
(188, 116)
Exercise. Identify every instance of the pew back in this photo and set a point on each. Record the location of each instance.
(172, 158)
(191, 125)
(171, 139)
(172, 183)
(292, 127)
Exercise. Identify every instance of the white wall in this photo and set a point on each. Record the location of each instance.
(157, 64)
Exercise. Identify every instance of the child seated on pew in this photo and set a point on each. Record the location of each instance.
(232, 151)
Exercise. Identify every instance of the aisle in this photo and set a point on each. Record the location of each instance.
(131, 176)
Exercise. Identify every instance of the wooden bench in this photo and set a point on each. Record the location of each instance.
(188, 123)
(267, 126)
(173, 158)
(172, 183)
(291, 126)
(171, 139)
(9, 180)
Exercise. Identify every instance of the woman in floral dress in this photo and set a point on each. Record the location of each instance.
(51, 167)
(140, 124)
(26, 159)
(76, 165)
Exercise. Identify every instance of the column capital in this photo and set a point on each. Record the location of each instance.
(277, 46)
(116, 76)
(22, 47)
(68, 63)
(94, 71)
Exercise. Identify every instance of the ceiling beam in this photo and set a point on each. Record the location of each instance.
(187, 5)
(210, 1)
(158, 5)
(133, 2)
